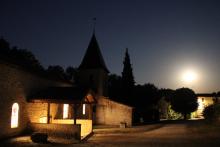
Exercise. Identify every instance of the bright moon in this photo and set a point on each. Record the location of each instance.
(189, 76)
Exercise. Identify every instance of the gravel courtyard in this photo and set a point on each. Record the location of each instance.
(172, 134)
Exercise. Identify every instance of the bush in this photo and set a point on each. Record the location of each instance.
(172, 115)
(212, 112)
(39, 137)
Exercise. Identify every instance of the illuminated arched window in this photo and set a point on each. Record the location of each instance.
(14, 115)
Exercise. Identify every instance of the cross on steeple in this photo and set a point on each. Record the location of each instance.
(94, 24)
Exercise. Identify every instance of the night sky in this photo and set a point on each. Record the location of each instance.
(164, 37)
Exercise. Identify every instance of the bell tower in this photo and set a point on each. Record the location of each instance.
(93, 72)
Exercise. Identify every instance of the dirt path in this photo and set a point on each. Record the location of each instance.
(172, 134)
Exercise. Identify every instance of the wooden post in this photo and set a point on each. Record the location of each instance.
(90, 111)
(75, 113)
(48, 113)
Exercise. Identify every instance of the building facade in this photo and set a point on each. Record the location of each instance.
(32, 102)
(204, 100)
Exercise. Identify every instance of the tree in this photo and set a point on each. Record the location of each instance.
(145, 102)
(184, 101)
(147, 95)
(56, 72)
(166, 93)
(127, 78)
(71, 74)
(212, 113)
(21, 57)
(4, 45)
(26, 59)
(114, 87)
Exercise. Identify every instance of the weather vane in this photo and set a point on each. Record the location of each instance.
(94, 24)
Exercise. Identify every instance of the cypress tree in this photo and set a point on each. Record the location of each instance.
(127, 78)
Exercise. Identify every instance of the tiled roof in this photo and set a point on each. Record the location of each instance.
(93, 58)
(62, 95)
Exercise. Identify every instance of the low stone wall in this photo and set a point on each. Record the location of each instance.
(109, 112)
(86, 125)
(68, 131)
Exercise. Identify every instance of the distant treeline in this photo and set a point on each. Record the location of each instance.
(27, 61)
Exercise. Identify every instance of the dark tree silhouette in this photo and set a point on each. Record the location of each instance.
(114, 87)
(147, 94)
(4, 45)
(167, 93)
(71, 74)
(25, 58)
(21, 57)
(145, 103)
(56, 72)
(184, 101)
(127, 78)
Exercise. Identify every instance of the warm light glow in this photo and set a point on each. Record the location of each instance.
(86, 124)
(65, 110)
(84, 109)
(43, 119)
(200, 104)
(189, 76)
(14, 115)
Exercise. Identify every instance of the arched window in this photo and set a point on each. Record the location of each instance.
(14, 115)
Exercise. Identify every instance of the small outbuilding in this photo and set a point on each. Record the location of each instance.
(62, 111)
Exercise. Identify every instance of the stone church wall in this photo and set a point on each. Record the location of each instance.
(36, 111)
(109, 112)
(94, 78)
(15, 85)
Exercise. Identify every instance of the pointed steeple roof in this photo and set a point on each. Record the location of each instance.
(93, 57)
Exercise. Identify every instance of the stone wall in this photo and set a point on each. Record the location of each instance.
(86, 125)
(96, 78)
(15, 85)
(35, 111)
(109, 112)
(67, 131)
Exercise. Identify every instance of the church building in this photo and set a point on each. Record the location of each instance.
(32, 102)
(93, 73)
